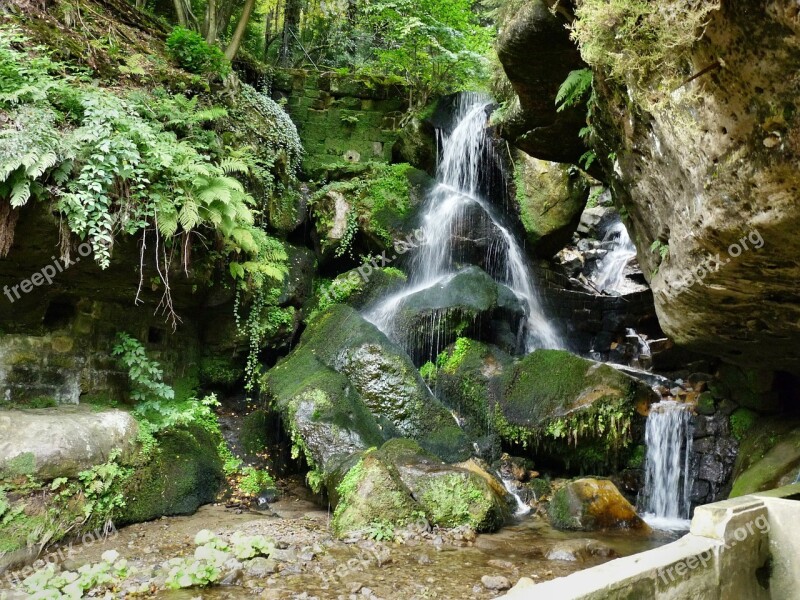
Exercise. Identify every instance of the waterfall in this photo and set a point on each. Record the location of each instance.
(456, 201)
(522, 508)
(610, 275)
(668, 483)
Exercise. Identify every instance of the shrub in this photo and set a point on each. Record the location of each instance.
(194, 54)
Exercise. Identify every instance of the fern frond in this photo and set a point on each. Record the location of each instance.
(574, 88)
(20, 193)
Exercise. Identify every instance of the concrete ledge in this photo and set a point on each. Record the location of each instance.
(745, 548)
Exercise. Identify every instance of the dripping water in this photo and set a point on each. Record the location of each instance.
(610, 275)
(451, 205)
(665, 498)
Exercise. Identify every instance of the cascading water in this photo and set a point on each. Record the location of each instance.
(610, 276)
(453, 203)
(668, 437)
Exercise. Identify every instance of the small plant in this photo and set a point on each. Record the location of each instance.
(102, 488)
(145, 374)
(254, 481)
(661, 248)
(98, 578)
(349, 120)
(194, 54)
(380, 531)
(574, 89)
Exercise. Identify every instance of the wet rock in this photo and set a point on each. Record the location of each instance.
(347, 387)
(260, 567)
(469, 301)
(495, 583)
(501, 564)
(592, 504)
(62, 441)
(579, 550)
(550, 198)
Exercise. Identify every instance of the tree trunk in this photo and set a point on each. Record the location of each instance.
(241, 27)
(210, 22)
(183, 10)
(291, 35)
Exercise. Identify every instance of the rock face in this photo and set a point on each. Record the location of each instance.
(710, 174)
(536, 127)
(62, 442)
(591, 504)
(346, 387)
(550, 198)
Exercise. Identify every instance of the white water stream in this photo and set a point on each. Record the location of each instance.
(610, 276)
(448, 207)
(665, 497)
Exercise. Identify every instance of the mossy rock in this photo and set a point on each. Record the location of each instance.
(463, 377)
(358, 288)
(372, 492)
(184, 473)
(590, 505)
(470, 304)
(347, 387)
(550, 398)
(550, 198)
(769, 456)
(402, 483)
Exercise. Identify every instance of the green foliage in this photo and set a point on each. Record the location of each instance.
(428, 372)
(192, 53)
(98, 578)
(639, 41)
(574, 89)
(660, 248)
(254, 481)
(380, 531)
(207, 565)
(102, 488)
(742, 420)
(145, 374)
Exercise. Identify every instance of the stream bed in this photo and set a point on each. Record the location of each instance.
(310, 563)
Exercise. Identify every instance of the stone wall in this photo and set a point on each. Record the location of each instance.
(342, 122)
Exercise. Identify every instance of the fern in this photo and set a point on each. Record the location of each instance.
(574, 89)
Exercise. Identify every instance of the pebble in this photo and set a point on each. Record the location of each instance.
(260, 567)
(495, 582)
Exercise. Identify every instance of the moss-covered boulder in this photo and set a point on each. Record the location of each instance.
(183, 473)
(769, 455)
(550, 198)
(402, 484)
(592, 504)
(469, 303)
(347, 387)
(574, 411)
(372, 493)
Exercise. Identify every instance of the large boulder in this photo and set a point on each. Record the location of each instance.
(578, 413)
(401, 485)
(536, 127)
(467, 303)
(63, 441)
(769, 453)
(592, 504)
(708, 177)
(550, 198)
(347, 387)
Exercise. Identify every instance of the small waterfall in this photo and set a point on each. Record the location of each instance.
(610, 276)
(668, 483)
(454, 205)
(522, 508)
